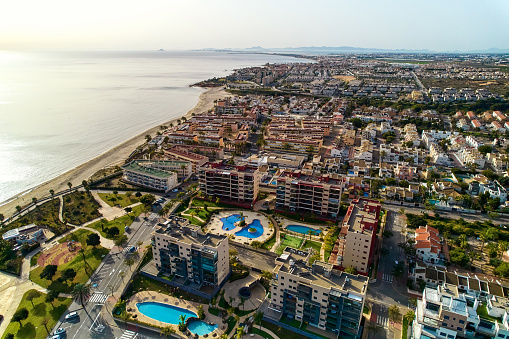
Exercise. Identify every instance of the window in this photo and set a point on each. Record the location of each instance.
(459, 329)
(324, 300)
(443, 334)
(446, 317)
(444, 324)
(501, 336)
(462, 321)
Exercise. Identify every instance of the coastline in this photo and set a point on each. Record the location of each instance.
(114, 156)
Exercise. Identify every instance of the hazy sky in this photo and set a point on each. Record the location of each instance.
(191, 24)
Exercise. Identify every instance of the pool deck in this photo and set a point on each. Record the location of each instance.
(216, 226)
(152, 296)
(257, 292)
(286, 222)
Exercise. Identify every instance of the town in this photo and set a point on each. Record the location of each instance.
(338, 197)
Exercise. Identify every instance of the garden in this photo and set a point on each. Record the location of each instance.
(80, 207)
(116, 199)
(115, 228)
(36, 315)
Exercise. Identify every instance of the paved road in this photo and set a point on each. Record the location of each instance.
(104, 280)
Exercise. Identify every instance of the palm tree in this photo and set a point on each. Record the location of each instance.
(80, 293)
(167, 331)
(258, 317)
(121, 275)
(52, 193)
(129, 262)
(34, 200)
(240, 332)
(70, 185)
(182, 323)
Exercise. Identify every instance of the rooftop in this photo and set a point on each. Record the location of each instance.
(189, 234)
(151, 167)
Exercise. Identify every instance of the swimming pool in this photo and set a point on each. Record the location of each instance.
(302, 229)
(229, 222)
(244, 232)
(170, 314)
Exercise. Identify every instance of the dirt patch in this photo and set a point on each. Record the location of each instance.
(345, 78)
(59, 254)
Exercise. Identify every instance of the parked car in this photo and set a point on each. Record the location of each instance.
(71, 315)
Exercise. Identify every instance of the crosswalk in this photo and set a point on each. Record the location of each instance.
(98, 298)
(382, 320)
(388, 277)
(129, 335)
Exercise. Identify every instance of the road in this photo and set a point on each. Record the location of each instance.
(384, 292)
(105, 279)
(419, 83)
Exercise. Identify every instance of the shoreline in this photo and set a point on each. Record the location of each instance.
(112, 157)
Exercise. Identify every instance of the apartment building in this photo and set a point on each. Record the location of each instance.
(498, 161)
(427, 244)
(324, 298)
(235, 183)
(324, 124)
(293, 145)
(148, 174)
(213, 153)
(470, 155)
(185, 155)
(191, 257)
(356, 242)
(301, 191)
(277, 160)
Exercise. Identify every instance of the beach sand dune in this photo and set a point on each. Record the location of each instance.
(115, 156)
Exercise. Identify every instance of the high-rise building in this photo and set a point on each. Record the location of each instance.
(324, 298)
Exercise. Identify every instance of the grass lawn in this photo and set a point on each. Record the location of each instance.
(404, 329)
(203, 203)
(256, 330)
(119, 199)
(193, 220)
(80, 207)
(316, 246)
(33, 260)
(93, 257)
(45, 214)
(231, 324)
(270, 242)
(120, 223)
(32, 327)
(282, 333)
(289, 241)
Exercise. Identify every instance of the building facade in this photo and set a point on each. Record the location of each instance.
(150, 174)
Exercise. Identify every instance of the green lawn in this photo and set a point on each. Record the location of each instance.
(93, 257)
(289, 241)
(119, 199)
(404, 329)
(316, 246)
(270, 242)
(231, 324)
(33, 260)
(256, 330)
(120, 223)
(483, 313)
(80, 207)
(279, 331)
(32, 327)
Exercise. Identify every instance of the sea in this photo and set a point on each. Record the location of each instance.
(60, 109)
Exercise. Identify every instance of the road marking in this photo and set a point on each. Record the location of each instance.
(382, 321)
(94, 321)
(98, 298)
(128, 335)
(388, 277)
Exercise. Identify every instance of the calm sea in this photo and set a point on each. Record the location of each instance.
(59, 110)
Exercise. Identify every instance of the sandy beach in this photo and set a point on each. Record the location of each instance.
(115, 156)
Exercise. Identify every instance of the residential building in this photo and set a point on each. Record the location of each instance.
(356, 242)
(192, 258)
(185, 155)
(274, 160)
(293, 145)
(233, 183)
(149, 174)
(427, 244)
(318, 295)
(303, 192)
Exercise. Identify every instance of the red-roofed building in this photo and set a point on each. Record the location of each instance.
(427, 244)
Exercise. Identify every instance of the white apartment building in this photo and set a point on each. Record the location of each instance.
(470, 155)
(149, 174)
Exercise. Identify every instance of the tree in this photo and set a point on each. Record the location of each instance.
(51, 296)
(138, 194)
(148, 137)
(502, 270)
(121, 241)
(45, 322)
(258, 317)
(201, 314)
(31, 295)
(398, 269)
(351, 270)
(356, 122)
(129, 262)
(34, 200)
(484, 149)
(68, 274)
(112, 232)
(409, 316)
(82, 252)
(401, 211)
(80, 293)
(18, 208)
(69, 184)
(20, 315)
(93, 240)
(394, 313)
(168, 331)
(48, 272)
(182, 323)
(147, 199)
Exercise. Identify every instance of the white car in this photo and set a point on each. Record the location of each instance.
(71, 315)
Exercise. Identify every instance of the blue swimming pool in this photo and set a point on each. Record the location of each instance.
(229, 222)
(200, 327)
(302, 229)
(170, 314)
(244, 232)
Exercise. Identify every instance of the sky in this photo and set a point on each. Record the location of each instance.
(438, 25)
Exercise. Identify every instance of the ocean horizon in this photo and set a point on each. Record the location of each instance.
(59, 110)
